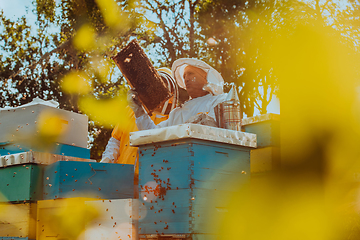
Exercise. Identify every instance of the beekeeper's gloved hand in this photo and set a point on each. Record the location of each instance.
(112, 151)
(202, 119)
(134, 103)
(106, 160)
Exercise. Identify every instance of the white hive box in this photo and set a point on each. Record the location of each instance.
(22, 124)
(117, 219)
(90, 219)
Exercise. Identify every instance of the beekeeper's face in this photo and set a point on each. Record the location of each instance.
(195, 79)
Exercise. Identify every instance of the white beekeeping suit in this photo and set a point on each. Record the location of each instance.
(192, 107)
(118, 149)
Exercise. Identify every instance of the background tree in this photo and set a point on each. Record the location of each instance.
(221, 33)
(74, 36)
(73, 40)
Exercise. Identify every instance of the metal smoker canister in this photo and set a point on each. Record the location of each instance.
(227, 113)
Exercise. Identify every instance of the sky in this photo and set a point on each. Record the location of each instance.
(15, 9)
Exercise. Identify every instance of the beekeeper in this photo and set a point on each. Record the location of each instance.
(118, 149)
(204, 85)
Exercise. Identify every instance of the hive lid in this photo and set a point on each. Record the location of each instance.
(36, 157)
(195, 131)
(35, 101)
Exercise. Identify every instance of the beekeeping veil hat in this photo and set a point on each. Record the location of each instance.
(215, 82)
(169, 80)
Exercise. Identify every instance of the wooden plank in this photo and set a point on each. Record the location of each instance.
(18, 220)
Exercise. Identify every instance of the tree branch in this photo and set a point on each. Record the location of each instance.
(46, 56)
(324, 6)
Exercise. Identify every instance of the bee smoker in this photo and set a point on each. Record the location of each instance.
(227, 113)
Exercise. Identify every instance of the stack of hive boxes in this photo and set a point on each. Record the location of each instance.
(187, 173)
(266, 157)
(43, 128)
(40, 191)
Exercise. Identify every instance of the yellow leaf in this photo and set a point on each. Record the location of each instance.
(112, 14)
(102, 67)
(51, 125)
(85, 38)
(76, 82)
(108, 112)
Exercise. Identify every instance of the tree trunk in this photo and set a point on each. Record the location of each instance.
(191, 30)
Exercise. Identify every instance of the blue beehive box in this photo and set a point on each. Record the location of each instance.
(186, 179)
(7, 148)
(66, 179)
(266, 127)
(21, 183)
(15, 238)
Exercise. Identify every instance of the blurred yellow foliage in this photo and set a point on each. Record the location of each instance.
(18, 220)
(315, 195)
(113, 15)
(51, 125)
(64, 218)
(85, 38)
(107, 112)
(102, 68)
(76, 82)
(2, 198)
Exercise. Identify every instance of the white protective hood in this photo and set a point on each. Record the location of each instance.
(215, 81)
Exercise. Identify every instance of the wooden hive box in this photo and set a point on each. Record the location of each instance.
(266, 127)
(117, 219)
(184, 184)
(17, 221)
(62, 218)
(141, 75)
(23, 123)
(65, 179)
(93, 219)
(21, 182)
